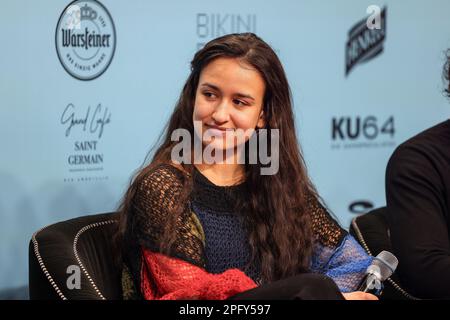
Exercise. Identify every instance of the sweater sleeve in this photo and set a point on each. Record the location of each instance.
(419, 233)
(336, 253)
(157, 195)
(166, 278)
(347, 265)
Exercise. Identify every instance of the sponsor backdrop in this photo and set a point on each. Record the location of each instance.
(86, 87)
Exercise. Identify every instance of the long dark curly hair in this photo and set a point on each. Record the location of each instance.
(280, 232)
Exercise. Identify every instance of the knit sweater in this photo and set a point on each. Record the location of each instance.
(212, 257)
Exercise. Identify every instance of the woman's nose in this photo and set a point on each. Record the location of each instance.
(221, 113)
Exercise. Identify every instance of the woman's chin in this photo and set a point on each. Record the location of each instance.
(218, 145)
(218, 151)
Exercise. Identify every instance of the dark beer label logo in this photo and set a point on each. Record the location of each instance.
(85, 39)
(365, 43)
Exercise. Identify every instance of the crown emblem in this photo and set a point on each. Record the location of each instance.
(87, 13)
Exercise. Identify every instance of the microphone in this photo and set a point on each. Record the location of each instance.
(382, 267)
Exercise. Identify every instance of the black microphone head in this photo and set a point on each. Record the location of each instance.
(384, 265)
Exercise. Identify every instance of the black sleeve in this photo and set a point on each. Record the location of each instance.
(156, 196)
(419, 234)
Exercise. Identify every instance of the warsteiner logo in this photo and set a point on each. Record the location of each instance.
(365, 40)
(85, 39)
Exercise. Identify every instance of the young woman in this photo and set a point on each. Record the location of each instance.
(206, 229)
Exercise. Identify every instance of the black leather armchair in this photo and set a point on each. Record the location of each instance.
(86, 244)
(372, 232)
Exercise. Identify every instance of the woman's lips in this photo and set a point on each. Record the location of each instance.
(217, 131)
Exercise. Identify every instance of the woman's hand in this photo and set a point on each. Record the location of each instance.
(359, 295)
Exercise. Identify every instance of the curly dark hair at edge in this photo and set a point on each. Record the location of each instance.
(277, 210)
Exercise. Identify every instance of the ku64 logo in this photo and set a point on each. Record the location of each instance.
(353, 128)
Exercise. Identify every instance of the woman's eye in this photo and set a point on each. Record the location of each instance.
(209, 94)
(239, 102)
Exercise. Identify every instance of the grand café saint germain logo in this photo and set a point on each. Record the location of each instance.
(85, 39)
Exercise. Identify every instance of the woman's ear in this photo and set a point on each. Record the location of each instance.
(261, 121)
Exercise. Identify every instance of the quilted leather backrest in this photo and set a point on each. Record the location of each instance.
(85, 243)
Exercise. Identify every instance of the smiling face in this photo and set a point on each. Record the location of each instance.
(229, 96)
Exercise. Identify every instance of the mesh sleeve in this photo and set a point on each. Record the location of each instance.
(325, 229)
(336, 253)
(157, 194)
(346, 265)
